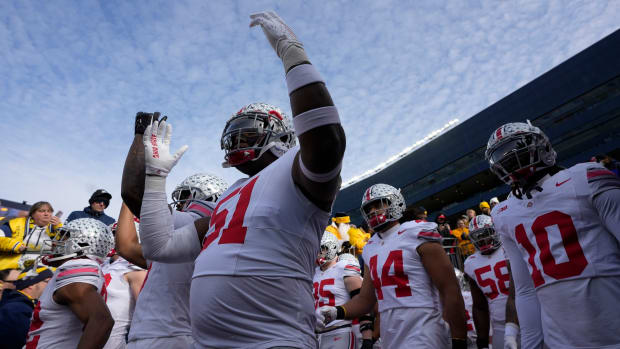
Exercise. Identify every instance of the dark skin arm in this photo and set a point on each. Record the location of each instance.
(86, 303)
(480, 311)
(511, 307)
(132, 183)
(321, 148)
(364, 301)
(126, 239)
(441, 272)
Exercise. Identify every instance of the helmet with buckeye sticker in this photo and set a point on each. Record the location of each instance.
(388, 204)
(253, 130)
(329, 249)
(483, 235)
(517, 150)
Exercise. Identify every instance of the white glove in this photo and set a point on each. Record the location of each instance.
(326, 314)
(281, 38)
(157, 158)
(511, 332)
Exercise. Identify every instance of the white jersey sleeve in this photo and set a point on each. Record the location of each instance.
(603, 186)
(159, 239)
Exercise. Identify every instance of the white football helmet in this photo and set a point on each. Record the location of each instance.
(392, 201)
(81, 237)
(483, 235)
(517, 150)
(199, 186)
(329, 248)
(253, 130)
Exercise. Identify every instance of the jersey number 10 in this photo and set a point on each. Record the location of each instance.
(577, 261)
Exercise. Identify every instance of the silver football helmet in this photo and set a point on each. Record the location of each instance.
(460, 276)
(517, 150)
(392, 203)
(329, 249)
(483, 235)
(199, 186)
(81, 237)
(253, 130)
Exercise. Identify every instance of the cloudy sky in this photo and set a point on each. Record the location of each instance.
(74, 73)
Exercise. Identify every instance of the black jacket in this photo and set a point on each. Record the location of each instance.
(88, 212)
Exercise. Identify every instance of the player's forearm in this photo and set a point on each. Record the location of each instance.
(358, 306)
(481, 321)
(132, 183)
(454, 311)
(126, 239)
(96, 331)
(160, 240)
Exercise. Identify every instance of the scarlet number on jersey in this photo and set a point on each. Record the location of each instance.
(503, 279)
(577, 261)
(104, 289)
(321, 293)
(399, 279)
(235, 232)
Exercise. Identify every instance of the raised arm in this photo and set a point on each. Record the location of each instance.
(126, 238)
(160, 240)
(317, 124)
(88, 305)
(441, 272)
(132, 183)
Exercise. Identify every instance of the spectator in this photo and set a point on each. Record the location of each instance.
(420, 213)
(494, 201)
(470, 214)
(17, 305)
(21, 238)
(99, 201)
(461, 233)
(442, 226)
(349, 235)
(7, 279)
(485, 208)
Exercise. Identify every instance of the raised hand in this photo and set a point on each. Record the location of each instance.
(281, 38)
(157, 158)
(143, 120)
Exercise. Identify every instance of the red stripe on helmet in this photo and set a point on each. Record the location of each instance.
(276, 114)
(498, 134)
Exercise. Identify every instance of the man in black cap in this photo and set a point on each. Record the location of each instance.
(99, 201)
(17, 306)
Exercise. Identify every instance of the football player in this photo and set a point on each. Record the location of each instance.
(560, 231)
(336, 280)
(408, 274)
(72, 312)
(252, 282)
(489, 281)
(123, 281)
(161, 317)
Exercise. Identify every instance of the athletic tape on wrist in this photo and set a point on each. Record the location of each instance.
(301, 76)
(320, 177)
(314, 118)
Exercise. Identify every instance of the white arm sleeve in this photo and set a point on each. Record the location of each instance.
(528, 307)
(160, 240)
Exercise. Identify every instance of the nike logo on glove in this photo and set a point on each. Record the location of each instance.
(560, 183)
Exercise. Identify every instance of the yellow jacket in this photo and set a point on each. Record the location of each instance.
(465, 245)
(9, 246)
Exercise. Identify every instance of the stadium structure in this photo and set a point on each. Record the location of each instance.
(577, 104)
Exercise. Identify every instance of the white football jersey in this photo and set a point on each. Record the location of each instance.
(471, 329)
(54, 325)
(329, 287)
(402, 286)
(572, 259)
(119, 298)
(162, 308)
(265, 228)
(490, 272)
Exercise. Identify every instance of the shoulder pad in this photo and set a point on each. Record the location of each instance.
(351, 268)
(77, 270)
(201, 208)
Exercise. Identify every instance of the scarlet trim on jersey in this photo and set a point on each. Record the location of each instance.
(429, 235)
(81, 271)
(352, 268)
(199, 208)
(35, 325)
(595, 174)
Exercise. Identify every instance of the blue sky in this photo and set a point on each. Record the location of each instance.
(74, 73)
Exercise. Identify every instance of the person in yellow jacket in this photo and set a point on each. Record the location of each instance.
(21, 238)
(342, 228)
(462, 236)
